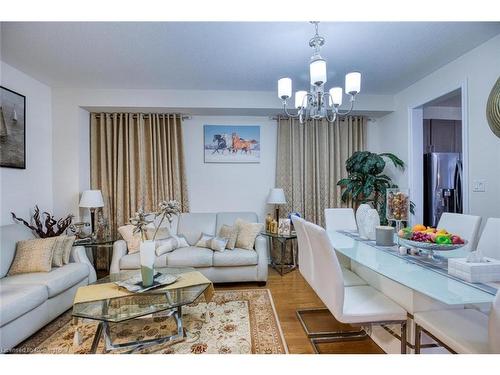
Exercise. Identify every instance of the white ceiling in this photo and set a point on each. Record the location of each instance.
(233, 56)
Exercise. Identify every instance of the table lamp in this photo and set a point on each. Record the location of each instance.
(276, 196)
(92, 199)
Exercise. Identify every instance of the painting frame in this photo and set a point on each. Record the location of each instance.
(12, 117)
(231, 144)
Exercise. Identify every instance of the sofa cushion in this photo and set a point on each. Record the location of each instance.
(192, 225)
(235, 257)
(33, 256)
(56, 281)
(190, 257)
(18, 299)
(133, 261)
(229, 218)
(9, 236)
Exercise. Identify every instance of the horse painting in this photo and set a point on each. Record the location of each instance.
(242, 144)
(221, 143)
(231, 144)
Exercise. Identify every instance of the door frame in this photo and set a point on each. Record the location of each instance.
(415, 151)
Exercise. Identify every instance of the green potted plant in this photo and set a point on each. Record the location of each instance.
(365, 182)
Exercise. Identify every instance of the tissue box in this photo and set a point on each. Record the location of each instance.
(485, 272)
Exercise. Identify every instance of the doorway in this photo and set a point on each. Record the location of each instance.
(438, 157)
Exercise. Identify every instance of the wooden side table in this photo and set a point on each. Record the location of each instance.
(282, 267)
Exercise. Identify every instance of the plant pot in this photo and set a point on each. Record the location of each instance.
(147, 254)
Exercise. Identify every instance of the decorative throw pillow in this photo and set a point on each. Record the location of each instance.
(67, 246)
(204, 241)
(163, 233)
(218, 244)
(229, 232)
(58, 251)
(247, 233)
(33, 256)
(133, 240)
(170, 244)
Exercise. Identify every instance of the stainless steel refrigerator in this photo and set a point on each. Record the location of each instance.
(442, 185)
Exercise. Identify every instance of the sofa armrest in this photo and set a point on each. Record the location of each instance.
(262, 258)
(119, 251)
(79, 255)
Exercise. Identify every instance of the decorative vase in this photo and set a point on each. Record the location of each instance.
(147, 254)
(372, 221)
(360, 219)
(398, 206)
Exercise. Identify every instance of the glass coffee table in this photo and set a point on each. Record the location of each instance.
(121, 309)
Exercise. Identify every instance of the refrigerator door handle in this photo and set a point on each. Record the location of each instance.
(458, 187)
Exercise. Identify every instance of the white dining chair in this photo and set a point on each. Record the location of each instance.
(340, 219)
(306, 269)
(489, 241)
(466, 226)
(355, 305)
(461, 331)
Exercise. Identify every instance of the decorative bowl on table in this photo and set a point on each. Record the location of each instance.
(430, 239)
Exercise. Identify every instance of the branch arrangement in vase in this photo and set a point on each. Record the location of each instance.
(45, 225)
(167, 209)
(140, 221)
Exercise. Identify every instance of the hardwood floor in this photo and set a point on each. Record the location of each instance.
(291, 292)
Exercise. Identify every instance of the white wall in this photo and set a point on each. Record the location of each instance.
(479, 68)
(21, 189)
(229, 187)
(71, 142)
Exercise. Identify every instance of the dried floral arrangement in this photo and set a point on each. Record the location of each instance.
(166, 209)
(45, 225)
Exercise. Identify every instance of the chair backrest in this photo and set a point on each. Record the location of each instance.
(466, 226)
(494, 325)
(489, 241)
(340, 219)
(328, 280)
(305, 253)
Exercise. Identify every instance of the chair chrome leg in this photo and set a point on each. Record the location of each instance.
(318, 334)
(418, 338)
(403, 337)
(337, 337)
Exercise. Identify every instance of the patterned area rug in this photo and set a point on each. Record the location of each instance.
(235, 321)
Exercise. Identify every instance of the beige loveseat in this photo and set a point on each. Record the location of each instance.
(220, 267)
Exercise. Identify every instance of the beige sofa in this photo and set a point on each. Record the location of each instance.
(220, 267)
(30, 301)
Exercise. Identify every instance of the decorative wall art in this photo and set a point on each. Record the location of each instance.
(12, 129)
(493, 109)
(231, 144)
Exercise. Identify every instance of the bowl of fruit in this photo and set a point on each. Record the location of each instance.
(430, 239)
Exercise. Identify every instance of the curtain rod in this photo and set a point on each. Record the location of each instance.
(183, 116)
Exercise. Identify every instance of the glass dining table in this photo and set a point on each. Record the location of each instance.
(412, 272)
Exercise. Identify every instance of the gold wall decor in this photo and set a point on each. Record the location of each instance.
(493, 109)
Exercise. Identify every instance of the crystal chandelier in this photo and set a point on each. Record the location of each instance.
(316, 104)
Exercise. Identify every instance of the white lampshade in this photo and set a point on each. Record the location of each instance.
(284, 88)
(299, 99)
(91, 199)
(353, 83)
(317, 70)
(336, 96)
(276, 196)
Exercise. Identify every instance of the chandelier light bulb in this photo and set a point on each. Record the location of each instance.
(284, 88)
(299, 99)
(336, 96)
(317, 70)
(353, 83)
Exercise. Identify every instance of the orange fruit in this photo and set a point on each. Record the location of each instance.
(419, 228)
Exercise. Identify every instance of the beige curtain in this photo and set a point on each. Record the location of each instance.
(136, 161)
(311, 159)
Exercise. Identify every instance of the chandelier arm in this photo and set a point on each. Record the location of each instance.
(286, 111)
(350, 108)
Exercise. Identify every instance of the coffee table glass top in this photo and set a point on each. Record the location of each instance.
(140, 304)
